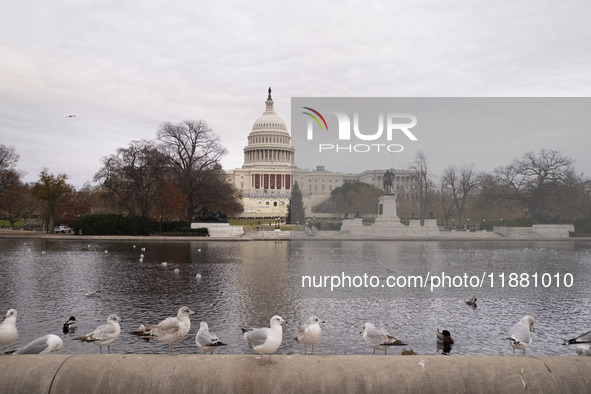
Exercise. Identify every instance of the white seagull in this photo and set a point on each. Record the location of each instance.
(45, 344)
(104, 335)
(583, 350)
(309, 333)
(170, 329)
(8, 331)
(95, 293)
(70, 325)
(206, 340)
(583, 338)
(266, 340)
(519, 335)
(378, 338)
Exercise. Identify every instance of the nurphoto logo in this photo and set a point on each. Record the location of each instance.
(390, 127)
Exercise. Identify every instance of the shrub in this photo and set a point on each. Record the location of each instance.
(113, 224)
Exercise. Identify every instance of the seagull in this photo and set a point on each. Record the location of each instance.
(104, 335)
(265, 340)
(472, 302)
(309, 333)
(519, 334)
(583, 350)
(70, 116)
(96, 293)
(170, 329)
(70, 325)
(45, 344)
(176, 271)
(8, 331)
(378, 338)
(207, 341)
(583, 338)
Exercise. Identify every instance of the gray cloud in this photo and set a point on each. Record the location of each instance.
(125, 67)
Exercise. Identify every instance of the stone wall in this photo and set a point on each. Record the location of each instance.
(536, 231)
(220, 229)
(249, 373)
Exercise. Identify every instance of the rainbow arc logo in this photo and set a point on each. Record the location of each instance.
(315, 118)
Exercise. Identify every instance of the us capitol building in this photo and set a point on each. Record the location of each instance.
(269, 172)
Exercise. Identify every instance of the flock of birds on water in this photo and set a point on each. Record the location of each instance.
(264, 340)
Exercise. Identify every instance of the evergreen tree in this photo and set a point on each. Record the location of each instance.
(296, 214)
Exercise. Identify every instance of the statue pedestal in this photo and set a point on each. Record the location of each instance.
(387, 224)
(387, 217)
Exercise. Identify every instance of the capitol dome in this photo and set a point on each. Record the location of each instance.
(269, 143)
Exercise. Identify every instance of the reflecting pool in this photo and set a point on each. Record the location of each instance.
(410, 288)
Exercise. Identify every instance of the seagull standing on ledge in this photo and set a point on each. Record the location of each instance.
(8, 331)
(309, 333)
(206, 340)
(170, 329)
(378, 338)
(45, 344)
(104, 335)
(520, 335)
(265, 340)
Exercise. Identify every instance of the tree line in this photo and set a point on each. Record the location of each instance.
(168, 178)
(174, 175)
(539, 187)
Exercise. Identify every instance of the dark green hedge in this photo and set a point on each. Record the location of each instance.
(582, 228)
(112, 224)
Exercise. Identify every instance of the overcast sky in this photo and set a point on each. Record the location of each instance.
(124, 67)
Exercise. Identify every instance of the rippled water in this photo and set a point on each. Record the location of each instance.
(244, 284)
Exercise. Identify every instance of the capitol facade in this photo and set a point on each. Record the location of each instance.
(269, 172)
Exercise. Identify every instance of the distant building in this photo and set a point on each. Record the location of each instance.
(267, 176)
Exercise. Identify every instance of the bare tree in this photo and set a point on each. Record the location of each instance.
(77, 203)
(447, 202)
(18, 202)
(8, 173)
(424, 184)
(461, 184)
(193, 151)
(539, 183)
(131, 176)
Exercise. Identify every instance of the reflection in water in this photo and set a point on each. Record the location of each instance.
(232, 285)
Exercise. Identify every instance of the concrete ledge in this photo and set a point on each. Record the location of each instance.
(135, 373)
(220, 229)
